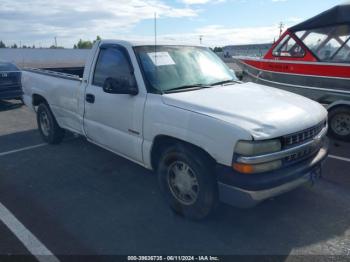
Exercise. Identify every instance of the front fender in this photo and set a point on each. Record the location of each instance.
(216, 137)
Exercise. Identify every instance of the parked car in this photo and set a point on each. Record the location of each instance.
(180, 111)
(10, 81)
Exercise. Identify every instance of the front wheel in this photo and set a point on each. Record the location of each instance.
(48, 127)
(339, 123)
(187, 182)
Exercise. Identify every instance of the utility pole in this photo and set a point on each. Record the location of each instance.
(281, 26)
(55, 41)
(200, 39)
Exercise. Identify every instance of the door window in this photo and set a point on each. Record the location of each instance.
(112, 63)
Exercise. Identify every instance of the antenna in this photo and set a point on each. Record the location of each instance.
(155, 36)
(281, 28)
(155, 48)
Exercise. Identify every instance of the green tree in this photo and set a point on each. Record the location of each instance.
(56, 47)
(98, 38)
(14, 46)
(2, 45)
(83, 44)
(217, 49)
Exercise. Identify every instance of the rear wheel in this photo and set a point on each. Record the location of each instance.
(48, 127)
(339, 123)
(187, 181)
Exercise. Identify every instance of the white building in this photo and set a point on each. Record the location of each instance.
(255, 50)
(45, 57)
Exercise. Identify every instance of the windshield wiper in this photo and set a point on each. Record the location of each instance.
(225, 82)
(187, 88)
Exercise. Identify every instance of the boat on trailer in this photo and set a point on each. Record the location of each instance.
(313, 60)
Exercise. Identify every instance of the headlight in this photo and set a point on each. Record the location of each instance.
(254, 148)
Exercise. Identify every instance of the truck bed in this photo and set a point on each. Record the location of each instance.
(60, 90)
(78, 71)
(53, 73)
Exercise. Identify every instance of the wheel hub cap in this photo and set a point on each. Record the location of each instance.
(341, 124)
(183, 183)
(44, 123)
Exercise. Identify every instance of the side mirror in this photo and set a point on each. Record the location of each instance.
(119, 86)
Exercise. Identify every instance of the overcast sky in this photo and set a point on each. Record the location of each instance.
(220, 22)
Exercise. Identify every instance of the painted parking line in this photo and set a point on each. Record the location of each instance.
(340, 158)
(34, 246)
(22, 149)
(32, 147)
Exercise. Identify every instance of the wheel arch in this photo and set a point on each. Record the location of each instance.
(37, 99)
(161, 142)
(337, 104)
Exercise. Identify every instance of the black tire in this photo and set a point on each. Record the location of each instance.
(202, 168)
(48, 128)
(339, 123)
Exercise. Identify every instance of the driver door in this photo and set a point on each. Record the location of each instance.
(114, 120)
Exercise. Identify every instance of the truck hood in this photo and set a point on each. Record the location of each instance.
(263, 111)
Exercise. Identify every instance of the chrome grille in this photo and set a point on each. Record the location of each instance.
(303, 154)
(300, 138)
(303, 136)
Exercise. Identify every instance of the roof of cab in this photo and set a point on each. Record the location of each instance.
(133, 43)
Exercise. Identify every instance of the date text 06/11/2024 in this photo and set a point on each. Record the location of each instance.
(173, 258)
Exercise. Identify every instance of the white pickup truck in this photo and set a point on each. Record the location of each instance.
(180, 111)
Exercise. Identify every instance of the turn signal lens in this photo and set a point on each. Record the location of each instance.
(254, 169)
(243, 168)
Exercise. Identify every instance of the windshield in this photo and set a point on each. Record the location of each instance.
(173, 67)
(329, 44)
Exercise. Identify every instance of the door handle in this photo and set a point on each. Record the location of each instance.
(90, 98)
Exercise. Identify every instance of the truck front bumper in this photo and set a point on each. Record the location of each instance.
(248, 190)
